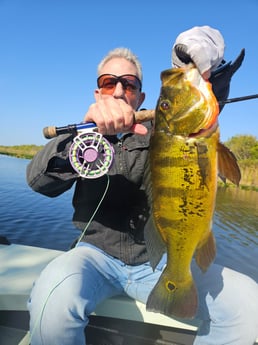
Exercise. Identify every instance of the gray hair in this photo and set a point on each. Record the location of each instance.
(124, 53)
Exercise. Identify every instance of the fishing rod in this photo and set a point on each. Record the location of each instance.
(91, 155)
(238, 99)
(140, 116)
(51, 131)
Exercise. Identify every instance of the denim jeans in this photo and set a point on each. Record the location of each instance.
(73, 284)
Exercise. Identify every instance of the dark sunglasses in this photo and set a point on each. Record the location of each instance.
(130, 83)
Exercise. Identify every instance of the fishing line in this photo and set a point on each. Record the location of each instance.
(96, 210)
(39, 317)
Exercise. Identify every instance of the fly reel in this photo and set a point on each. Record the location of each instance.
(91, 155)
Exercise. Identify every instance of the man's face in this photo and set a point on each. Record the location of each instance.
(127, 88)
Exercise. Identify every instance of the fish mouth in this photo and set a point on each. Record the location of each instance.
(187, 105)
(208, 97)
(210, 122)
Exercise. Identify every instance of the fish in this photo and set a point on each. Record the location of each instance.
(181, 184)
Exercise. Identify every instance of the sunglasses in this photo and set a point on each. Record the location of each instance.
(108, 82)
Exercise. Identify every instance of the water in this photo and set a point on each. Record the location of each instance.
(236, 230)
(29, 218)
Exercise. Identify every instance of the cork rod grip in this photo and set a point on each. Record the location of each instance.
(52, 131)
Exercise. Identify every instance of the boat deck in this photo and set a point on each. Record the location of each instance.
(117, 321)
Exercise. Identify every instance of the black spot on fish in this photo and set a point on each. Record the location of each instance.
(184, 204)
(171, 286)
(188, 175)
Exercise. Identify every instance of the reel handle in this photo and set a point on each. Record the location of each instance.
(52, 132)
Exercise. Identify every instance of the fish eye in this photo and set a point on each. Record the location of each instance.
(164, 105)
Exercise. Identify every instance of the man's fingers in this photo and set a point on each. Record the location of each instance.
(139, 129)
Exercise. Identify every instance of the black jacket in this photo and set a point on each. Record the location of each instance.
(118, 225)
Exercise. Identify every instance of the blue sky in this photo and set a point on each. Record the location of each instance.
(50, 50)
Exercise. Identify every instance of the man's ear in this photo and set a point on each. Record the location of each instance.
(96, 94)
(141, 99)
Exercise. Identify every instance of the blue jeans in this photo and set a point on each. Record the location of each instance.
(73, 284)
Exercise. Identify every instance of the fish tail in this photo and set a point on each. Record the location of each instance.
(173, 299)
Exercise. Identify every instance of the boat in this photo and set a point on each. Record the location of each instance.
(117, 321)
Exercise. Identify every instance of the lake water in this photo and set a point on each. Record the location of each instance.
(29, 218)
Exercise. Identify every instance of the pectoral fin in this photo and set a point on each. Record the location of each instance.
(227, 165)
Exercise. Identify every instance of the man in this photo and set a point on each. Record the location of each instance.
(110, 257)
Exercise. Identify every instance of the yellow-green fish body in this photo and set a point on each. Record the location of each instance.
(183, 181)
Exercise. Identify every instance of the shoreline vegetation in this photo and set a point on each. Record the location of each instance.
(20, 151)
(249, 168)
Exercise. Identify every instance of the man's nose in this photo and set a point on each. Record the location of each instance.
(119, 90)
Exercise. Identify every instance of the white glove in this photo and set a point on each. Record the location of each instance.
(202, 45)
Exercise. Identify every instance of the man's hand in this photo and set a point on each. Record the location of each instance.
(112, 116)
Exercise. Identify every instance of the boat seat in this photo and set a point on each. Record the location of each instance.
(21, 265)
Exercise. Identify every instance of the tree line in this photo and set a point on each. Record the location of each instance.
(244, 147)
(20, 151)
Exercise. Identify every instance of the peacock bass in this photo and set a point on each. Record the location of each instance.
(181, 181)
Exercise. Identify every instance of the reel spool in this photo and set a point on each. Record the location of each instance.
(91, 155)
